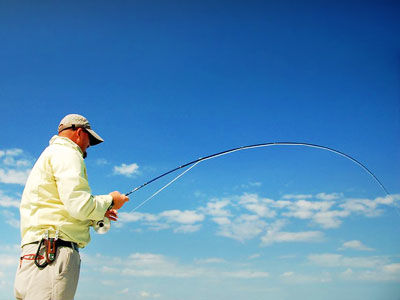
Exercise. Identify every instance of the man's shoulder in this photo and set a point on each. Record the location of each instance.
(62, 150)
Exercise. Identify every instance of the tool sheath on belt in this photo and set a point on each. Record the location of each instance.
(50, 246)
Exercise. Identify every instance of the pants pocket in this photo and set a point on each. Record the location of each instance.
(66, 274)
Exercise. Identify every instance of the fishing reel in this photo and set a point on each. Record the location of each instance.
(102, 226)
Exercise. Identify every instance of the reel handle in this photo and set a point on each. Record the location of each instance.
(102, 226)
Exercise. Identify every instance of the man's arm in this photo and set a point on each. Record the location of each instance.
(70, 174)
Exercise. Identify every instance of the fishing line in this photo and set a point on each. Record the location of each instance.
(173, 180)
(260, 146)
(100, 224)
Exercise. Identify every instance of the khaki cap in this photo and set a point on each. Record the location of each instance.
(78, 121)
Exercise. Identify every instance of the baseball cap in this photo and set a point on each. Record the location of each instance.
(78, 121)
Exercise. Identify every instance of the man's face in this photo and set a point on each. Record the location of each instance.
(83, 140)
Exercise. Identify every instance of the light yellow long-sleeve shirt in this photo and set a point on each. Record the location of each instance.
(57, 196)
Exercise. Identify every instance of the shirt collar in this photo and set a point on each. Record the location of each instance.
(60, 140)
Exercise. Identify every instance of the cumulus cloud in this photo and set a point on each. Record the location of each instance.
(184, 217)
(392, 268)
(14, 176)
(355, 245)
(328, 197)
(180, 221)
(248, 216)
(14, 166)
(256, 205)
(330, 219)
(187, 228)
(297, 196)
(157, 265)
(294, 277)
(211, 260)
(124, 291)
(10, 218)
(242, 228)
(246, 274)
(148, 295)
(217, 208)
(334, 260)
(7, 201)
(254, 256)
(367, 207)
(126, 170)
(373, 268)
(275, 235)
(13, 152)
(285, 237)
(304, 209)
(101, 162)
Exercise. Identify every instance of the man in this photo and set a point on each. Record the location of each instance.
(57, 210)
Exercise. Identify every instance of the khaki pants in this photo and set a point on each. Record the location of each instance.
(57, 281)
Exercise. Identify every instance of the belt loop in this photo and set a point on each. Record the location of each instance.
(75, 246)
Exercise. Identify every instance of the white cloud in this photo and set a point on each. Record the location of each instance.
(14, 176)
(250, 185)
(222, 221)
(180, 221)
(187, 228)
(256, 205)
(284, 237)
(11, 161)
(217, 208)
(254, 256)
(336, 260)
(10, 218)
(247, 274)
(304, 209)
(101, 162)
(296, 278)
(297, 196)
(8, 260)
(355, 245)
(14, 166)
(388, 200)
(183, 217)
(157, 265)
(137, 216)
(330, 219)
(243, 227)
(244, 217)
(211, 260)
(147, 295)
(388, 272)
(392, 268)
(274, 235)
(368, 207)
(7, 201)
(124, 291)
(126, 170)
(328, 197)
(13, 152)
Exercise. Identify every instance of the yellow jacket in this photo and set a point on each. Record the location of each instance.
(57, 196)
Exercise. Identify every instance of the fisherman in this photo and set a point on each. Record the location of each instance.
(57, 210)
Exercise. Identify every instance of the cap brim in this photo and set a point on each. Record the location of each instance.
(94, 137)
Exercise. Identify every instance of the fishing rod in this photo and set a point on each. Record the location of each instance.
(104, 225)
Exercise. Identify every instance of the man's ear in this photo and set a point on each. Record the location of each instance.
(79, 131)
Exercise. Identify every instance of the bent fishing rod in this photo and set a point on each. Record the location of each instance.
(104, 224)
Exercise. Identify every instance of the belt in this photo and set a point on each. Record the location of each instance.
(62, 243)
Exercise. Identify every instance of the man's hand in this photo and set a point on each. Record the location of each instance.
(112, 214)
(119, 199)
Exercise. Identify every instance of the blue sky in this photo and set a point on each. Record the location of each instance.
(166, 82)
